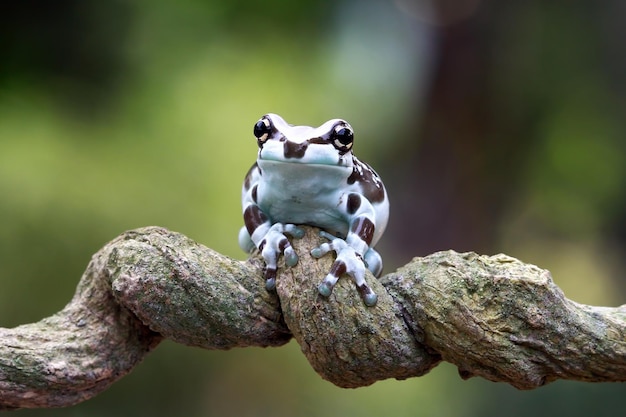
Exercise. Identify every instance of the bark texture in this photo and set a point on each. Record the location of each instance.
(491, 316)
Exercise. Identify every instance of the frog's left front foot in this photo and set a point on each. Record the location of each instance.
(347, 262)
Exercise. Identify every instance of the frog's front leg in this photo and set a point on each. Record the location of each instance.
(270, 239)
(350, 259)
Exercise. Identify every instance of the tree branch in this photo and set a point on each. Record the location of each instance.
(494, 317)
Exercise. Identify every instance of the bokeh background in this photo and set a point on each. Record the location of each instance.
(497, 127)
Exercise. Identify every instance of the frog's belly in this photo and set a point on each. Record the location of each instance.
(314, 216)
(304, 212)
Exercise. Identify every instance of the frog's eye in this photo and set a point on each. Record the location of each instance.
(263, 129)
(342, 137)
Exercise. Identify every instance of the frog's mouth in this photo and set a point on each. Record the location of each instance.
(304, 175)
(306, 153)
(300, 164)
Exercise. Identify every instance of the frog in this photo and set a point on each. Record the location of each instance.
(307, 175)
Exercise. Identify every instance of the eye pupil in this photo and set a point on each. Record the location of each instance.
(262, 129)
(343, 137)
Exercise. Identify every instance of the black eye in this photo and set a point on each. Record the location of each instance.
(342, 137)
(263, 129)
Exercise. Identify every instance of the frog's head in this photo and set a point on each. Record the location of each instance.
(328, 144)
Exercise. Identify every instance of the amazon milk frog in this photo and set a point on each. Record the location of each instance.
(308, 175)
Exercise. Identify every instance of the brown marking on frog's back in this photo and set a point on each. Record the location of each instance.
(369, 180)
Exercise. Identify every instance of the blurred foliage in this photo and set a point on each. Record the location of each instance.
(495, 127)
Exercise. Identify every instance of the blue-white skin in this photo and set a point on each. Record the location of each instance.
(307, 175)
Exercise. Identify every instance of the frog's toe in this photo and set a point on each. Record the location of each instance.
(326, 287)
(291, 257)
(270, 278)
(373, 262)
(370, 300)
(327, 235)
(270, 284)
(321, 250)
(369, 297)
(294, 231)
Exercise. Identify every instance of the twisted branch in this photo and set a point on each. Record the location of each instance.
(494, 317)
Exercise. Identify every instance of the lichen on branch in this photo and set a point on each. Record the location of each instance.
(494, 317)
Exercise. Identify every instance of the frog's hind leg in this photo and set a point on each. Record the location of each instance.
(374, 262)
(245, 242)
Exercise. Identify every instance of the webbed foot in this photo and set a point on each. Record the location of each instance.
(348, 262)
(274, 244)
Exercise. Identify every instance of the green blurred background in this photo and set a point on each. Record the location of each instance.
(497, 127)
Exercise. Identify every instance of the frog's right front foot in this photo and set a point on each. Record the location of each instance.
(275, 243)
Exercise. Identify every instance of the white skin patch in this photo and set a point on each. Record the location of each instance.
(304, 175)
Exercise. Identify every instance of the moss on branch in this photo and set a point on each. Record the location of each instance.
(494, 317)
